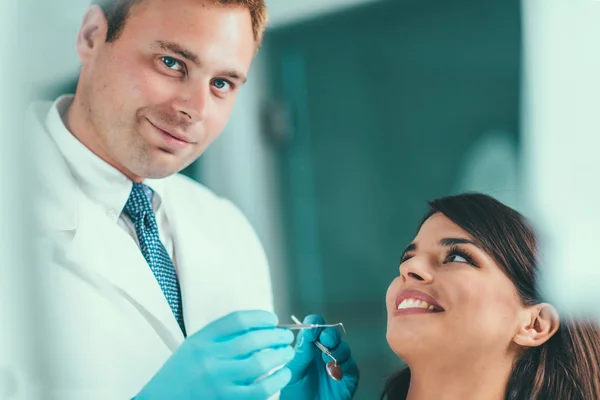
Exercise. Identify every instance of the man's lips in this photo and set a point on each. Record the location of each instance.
(176, 134)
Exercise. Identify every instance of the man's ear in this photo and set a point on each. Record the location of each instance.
(540, 323)
(92, 33)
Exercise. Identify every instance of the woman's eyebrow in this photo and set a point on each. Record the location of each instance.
(447, 242)
(410, 247)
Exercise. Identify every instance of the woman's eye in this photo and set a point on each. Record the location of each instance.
(457, 258)
(222, 85)
(460, 256)
(172, 63)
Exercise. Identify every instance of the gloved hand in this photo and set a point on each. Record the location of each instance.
(223, 360)
(309, 376)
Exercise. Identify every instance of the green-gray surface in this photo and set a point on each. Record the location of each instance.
(385, 100)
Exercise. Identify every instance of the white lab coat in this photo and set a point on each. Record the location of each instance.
(105, 327)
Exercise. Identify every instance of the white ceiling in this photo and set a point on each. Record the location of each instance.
(54, 25)
(282, 12)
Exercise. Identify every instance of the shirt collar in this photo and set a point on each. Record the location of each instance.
(97, 179)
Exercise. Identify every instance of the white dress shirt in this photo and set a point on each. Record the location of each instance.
(103, 183)
(103, 327)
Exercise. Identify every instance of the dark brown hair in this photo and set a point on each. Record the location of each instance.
(117, 11)
(567, 366)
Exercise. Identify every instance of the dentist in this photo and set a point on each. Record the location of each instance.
(152, 286)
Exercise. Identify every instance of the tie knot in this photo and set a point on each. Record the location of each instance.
(139, 202)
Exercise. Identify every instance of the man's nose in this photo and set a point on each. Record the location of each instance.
(194, 103)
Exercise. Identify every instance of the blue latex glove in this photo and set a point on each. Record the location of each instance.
(223, 361)
(309, 376)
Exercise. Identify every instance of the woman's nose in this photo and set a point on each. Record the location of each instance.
(416, 269)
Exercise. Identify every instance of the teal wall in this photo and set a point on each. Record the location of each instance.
(384, 102)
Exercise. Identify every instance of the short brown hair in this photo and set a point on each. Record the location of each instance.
(117, 11)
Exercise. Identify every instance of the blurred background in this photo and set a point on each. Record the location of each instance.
(357, 112)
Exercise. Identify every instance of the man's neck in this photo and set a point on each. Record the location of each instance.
(76, 121)
(475, 381)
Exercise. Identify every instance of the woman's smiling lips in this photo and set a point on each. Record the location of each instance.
(416, 302)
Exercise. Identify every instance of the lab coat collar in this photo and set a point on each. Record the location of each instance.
(99, 246)
(199, 262)
(114, 255)
(56, 193)
(97, 179)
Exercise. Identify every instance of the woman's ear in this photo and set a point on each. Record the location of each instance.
(92, 33)
(540, 323)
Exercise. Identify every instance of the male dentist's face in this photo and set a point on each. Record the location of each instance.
(159, 94)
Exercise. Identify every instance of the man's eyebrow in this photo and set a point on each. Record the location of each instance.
(191, 56)
(177, 49)
(446, 242)
(234, 75)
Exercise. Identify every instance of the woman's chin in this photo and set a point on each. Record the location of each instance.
(408, 344)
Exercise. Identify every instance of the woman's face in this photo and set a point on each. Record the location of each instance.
(451, 298)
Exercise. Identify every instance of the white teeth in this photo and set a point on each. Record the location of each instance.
(415, 303)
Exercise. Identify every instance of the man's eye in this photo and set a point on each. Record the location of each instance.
(222, 85)
(172, 63)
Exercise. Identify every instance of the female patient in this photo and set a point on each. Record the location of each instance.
(466, 317)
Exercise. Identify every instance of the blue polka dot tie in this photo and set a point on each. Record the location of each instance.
(139, 209)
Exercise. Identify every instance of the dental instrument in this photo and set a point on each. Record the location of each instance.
(333, 369)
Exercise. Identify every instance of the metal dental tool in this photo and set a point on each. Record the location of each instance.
(333, 369)
(300, 325)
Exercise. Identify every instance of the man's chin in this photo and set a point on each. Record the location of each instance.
(160, 173)
(157, 172)
(158, 164)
